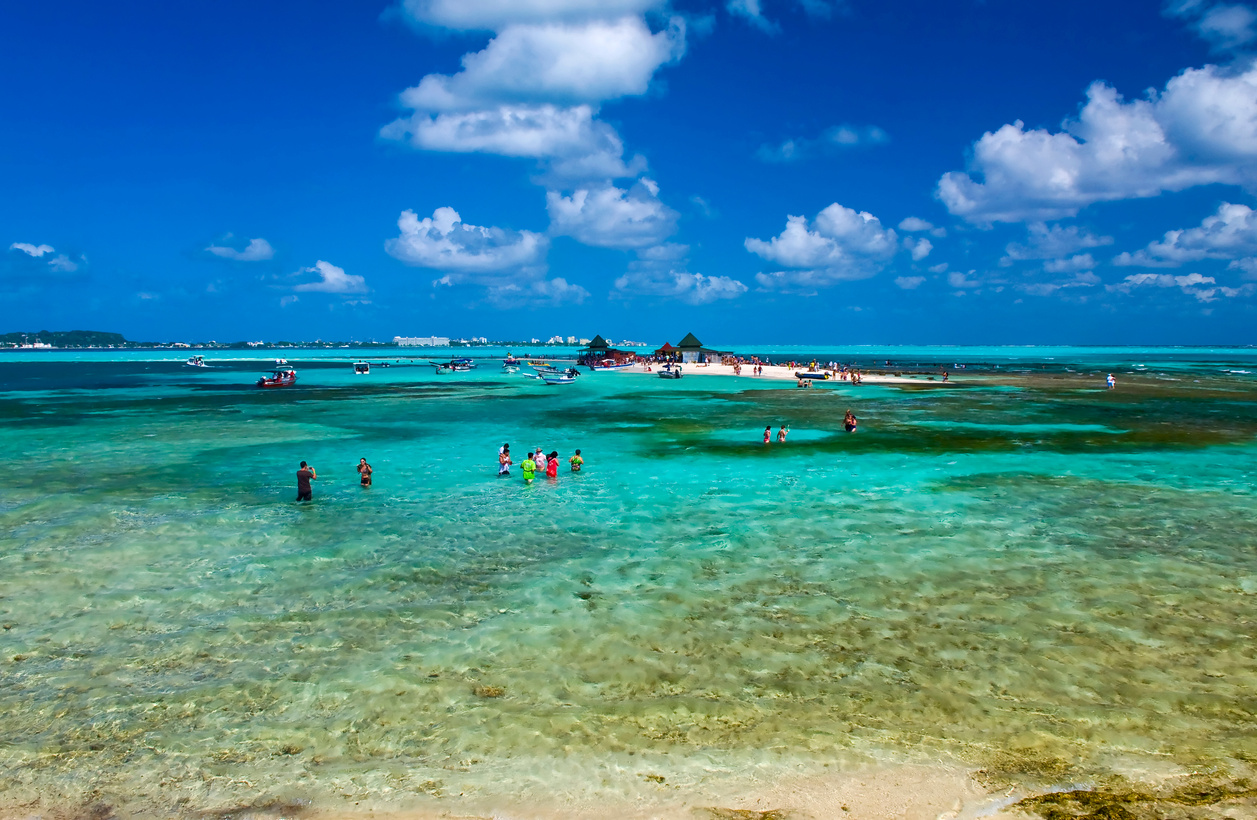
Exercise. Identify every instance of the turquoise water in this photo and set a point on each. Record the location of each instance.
(1018, 571)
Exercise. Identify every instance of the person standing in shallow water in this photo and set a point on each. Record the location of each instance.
(781, 434)
(504, 461)
(304, 476)
(552, 465)
(364, 472)
(768, 433)
(576, 461)
(529, 468)
(849, 422)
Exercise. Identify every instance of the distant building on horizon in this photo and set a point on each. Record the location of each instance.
(421, 341)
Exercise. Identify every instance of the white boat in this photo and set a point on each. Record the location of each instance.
(510, 368)
(361, 368)
(564, 377)
(670, 372)
(196, 361)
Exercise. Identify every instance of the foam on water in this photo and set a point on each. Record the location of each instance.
(1014, 574)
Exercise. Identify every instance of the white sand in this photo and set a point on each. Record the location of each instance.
(779, 373)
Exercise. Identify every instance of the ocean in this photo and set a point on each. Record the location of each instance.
(1020, 573)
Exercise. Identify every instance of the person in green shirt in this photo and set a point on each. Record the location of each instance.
(576, 461)
(530, 469)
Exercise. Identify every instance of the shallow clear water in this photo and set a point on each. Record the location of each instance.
(1014, 568)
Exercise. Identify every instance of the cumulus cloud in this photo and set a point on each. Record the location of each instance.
(962, 281)
(256, 251)
(1225, 26)
(913, 224)
(443, 242)
(572, 63)
(557, 291)
(611, 217)
(1052, 242)
(1086, 279)
(752, 12)
(909, 282)
(1078, 262)
(919, 248)
(837, 138)
(32, 250)
(331, 280)
(492, 15)
(1201, 129)
(661, 271)
(535, 89)
(1231, 233)
(1203, 288)
(841, 244)
(60, 263)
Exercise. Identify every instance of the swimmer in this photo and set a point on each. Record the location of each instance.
(529, 467)
(364, 472)
(849, 422)
(552, 465)
(781, 434)
(576, 461)
(504, 461)
(539, 458)
(768, 433)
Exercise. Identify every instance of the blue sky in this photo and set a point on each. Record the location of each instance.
(794, 171)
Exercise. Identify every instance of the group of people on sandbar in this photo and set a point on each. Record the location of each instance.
(546, 464)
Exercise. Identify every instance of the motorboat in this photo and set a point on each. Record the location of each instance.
(196, 361)
(510, 368)
(279, 378)
(442, 367)
(670, 372)
(560, 377)
(462, 365)
(362, 368)
(511, 361)
(813, 375)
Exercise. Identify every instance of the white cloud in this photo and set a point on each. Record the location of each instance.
(913, 224)
(919, 248)
(443, 242)
(1052, 242)
(256, 251)
(840, 244)
(1079, 262)
(837, 138)
(660, 271)
(32, 250)
(1231, 233)
(561, 63)
(331, 280)
(750, 11)
(1085, 279)
(1248, 266)
(493, 15)
(1201, 129)
(909, 282)
(683, 286)
(611, 217)
(63, 264)
(1192, 284)
(531, 293)
(939, 268)
(1224, 26)
(57, 264)
(568, 137)
(961, 281)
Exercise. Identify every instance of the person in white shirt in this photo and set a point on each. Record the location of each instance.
(540, 458)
